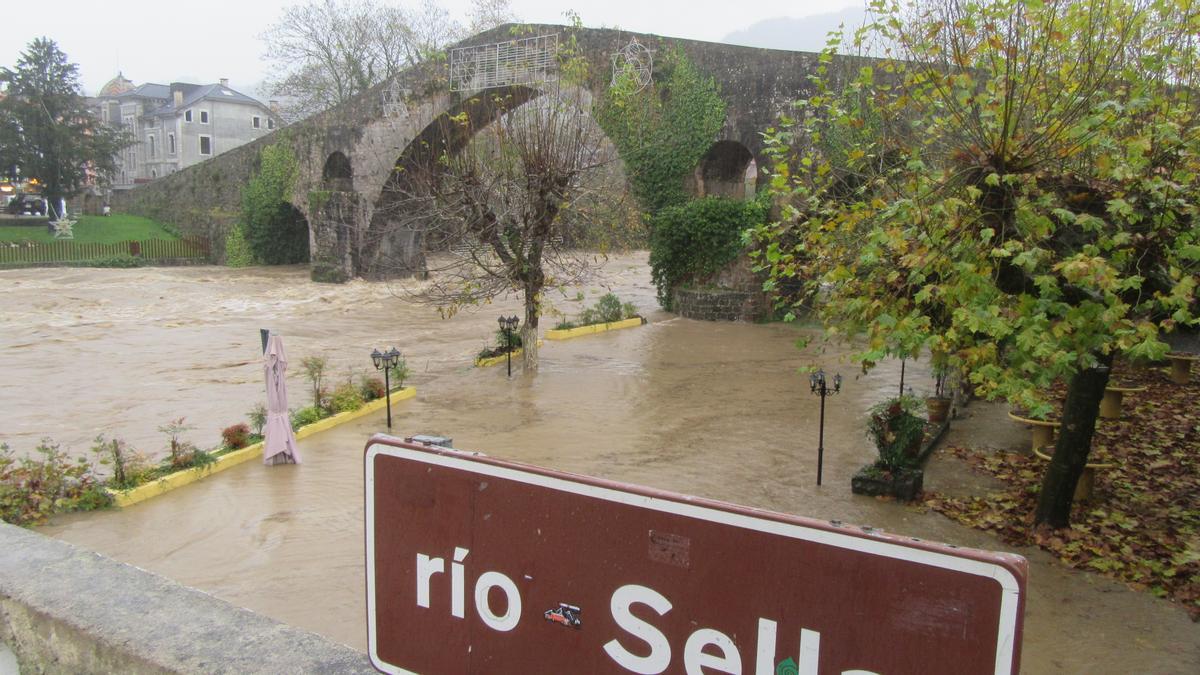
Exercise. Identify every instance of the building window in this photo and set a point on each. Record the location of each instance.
(206, 145)
(153, 173)
(256, 122)
(171, 143)
(150, 144)
(270, 123)
(187, 116)
(203, 117)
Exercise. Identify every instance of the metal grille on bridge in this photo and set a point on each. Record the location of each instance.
(526, 61)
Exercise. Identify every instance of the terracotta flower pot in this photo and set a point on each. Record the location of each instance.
(939, 409)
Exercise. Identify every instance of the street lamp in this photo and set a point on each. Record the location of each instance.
(819, 386)
(508, 325)
(385, 361)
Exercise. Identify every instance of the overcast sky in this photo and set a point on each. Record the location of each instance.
(205, 40)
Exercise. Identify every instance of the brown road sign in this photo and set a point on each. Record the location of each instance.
(476, 565)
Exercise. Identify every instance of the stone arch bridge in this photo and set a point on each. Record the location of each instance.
(348, 154)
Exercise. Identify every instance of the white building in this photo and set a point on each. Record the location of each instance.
(178, 125)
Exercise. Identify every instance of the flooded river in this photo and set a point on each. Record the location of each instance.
(122, 352)
(716, 410)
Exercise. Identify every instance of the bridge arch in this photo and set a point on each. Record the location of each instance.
(337, 175)
(292, 236)
(727, 169)
(395, 239)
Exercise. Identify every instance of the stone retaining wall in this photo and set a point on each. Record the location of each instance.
(66, 610)
(732, 294)
(717, 304)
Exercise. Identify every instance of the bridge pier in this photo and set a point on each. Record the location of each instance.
(334, 220)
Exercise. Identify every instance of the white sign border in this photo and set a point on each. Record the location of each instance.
(1010, 590)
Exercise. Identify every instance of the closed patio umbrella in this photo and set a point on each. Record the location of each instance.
(279, 446)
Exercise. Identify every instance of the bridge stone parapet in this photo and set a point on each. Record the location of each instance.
(66, 610)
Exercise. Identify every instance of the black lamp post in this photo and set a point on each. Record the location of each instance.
(385, 361)
(820, 387)
(508, 325)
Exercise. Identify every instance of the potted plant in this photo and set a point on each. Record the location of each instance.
(938, 405)
(897, 429)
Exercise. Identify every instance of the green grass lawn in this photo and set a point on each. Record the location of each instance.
(94, 230)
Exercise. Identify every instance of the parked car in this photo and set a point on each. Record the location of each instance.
(26, 205)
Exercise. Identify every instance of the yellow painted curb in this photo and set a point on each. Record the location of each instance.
(568, 333)
(123, 498)
(493, 360)
(342, 418)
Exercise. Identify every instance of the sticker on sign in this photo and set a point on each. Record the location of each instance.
(478, 565)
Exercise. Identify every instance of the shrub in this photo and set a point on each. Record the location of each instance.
(608, 309)
(345, 398)
(691, 242)
(897, 428)
(130, 468)
(123, 260)
(33, 489)
(236, 436)
(237, 250)
(258, 418)
(314, 372)
(373, 388)
(508, 340)
(399, 373)
(306, 416)
(181, 451)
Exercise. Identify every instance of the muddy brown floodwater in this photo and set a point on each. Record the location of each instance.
(711, 409)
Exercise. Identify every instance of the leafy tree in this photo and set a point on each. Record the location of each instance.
(273, 229)
(663, 130)
(46, 129)
(1024, 206)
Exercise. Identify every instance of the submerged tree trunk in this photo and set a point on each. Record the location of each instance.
(1074, 444)
(529, 332)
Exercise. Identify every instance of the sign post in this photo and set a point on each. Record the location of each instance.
(477, 565)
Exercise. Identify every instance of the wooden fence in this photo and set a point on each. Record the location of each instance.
(72, 251)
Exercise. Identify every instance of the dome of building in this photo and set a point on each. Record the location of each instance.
(116, 86)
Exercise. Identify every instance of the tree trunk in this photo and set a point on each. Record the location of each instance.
(529, 332)
(1074, 444)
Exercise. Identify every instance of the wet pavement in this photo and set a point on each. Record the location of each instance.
(715, 410)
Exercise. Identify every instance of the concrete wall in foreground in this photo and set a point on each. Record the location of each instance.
(67, 610)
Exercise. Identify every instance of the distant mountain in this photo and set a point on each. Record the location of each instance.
(807, 34)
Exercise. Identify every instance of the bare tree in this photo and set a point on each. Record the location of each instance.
(487, 14)
(505, 205)
(325, 52)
